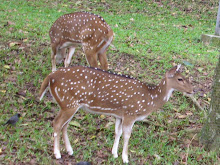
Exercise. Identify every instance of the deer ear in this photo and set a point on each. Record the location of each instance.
(172, 71)
(178, 67)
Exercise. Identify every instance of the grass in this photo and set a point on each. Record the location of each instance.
(150, 37)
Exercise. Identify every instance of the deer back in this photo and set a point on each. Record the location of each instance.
(98, 90)
(81, 27)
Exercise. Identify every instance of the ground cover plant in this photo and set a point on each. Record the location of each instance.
(150, 37)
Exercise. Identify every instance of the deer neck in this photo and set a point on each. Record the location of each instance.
(158, 95)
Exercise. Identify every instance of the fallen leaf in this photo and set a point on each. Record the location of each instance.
(6, 66)
(176, 163)
(169, 121)
(172, 138)
(78, 2)
(92, 137)
(200, 69)
(189, 113)
(75, 123)
(102, 116)
(24, 124)
(21, 47)
(109, 124)
(11, 29)
(3, 91)
(11, 44)
(205, 73)
(11, 23)
(182, 116)
(25, 40)
(199, 157)
(0, 150)
(157, 156)
(183, 157)
(33, 161)
(101, 154)
(76, 141)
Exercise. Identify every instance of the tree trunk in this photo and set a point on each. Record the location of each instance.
(217, 28)
(210, 134)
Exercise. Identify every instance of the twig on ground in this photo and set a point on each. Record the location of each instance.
(187, 153)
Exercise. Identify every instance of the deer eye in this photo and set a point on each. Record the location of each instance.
(180, 79)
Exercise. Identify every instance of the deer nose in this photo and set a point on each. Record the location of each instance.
(192, 91)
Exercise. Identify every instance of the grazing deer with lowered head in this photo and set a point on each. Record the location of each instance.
(97, 91)
(80, 28)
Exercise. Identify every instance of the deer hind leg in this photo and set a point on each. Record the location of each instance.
(104, 44)
(127, 129)
(69, 149)
(91, 56)
(69, 56)
(61, 121)
(118, 132)
(103, 60)
(53, 58)
(92, 60)
(61, 55)
(57, 55)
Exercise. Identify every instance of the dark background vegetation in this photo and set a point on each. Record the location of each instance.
(150, 37)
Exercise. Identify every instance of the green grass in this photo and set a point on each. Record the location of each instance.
(150, 37)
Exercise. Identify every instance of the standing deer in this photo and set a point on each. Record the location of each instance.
(101, 92)
(80, 28)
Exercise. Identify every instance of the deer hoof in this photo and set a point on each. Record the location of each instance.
(57, 155)
(70, 152)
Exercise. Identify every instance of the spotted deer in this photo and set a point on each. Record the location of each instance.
(101, 92)
(80, 28)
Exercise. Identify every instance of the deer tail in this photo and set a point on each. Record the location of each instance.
(44, 87)
(107, 41)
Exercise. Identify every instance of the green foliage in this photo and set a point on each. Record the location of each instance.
(150, 37)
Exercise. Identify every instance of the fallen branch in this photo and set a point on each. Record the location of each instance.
(187, 153)
(195, 102)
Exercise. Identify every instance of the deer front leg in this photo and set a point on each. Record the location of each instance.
(118, 132)
(127, 128)
(57, 145)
